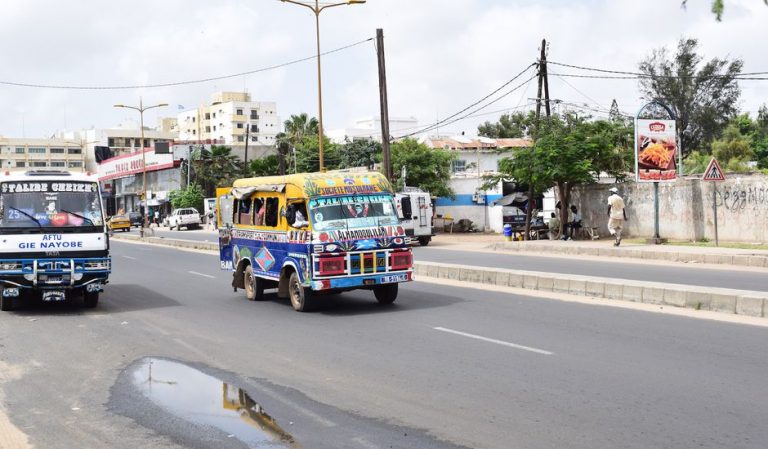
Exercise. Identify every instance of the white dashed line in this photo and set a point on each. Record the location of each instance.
(493, 340)
(201, 274)
(129, 257)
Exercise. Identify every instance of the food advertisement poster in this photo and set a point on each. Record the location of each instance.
(656, 150)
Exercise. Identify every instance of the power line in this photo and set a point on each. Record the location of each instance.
(182, 83)
(645, 75)
(445, 120)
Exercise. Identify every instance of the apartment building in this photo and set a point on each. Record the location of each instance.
(24, 154)
(230, 119)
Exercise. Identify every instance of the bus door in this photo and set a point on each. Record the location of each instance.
(224, 217)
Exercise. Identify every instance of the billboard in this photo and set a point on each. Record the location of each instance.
(656, 150)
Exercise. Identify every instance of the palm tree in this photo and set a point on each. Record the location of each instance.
(215, 167)
(299, 126)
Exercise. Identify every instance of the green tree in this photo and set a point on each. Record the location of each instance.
(359, 153)
(760, 138)
(734, 148)
(718, 7)
(577, 151)
(703, 96)
(426, 168)
(191, 196)
(307, 154)
(215, 168)
(300, 126)
(266, 166)
(513, 125)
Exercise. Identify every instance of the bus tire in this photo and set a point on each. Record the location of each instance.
(386, 294)
(90, 299)
(254, 286)
(6, 304)
(301, 297)
(424, 241)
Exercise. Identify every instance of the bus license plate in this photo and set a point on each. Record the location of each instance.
(394, 278)
(53, 295)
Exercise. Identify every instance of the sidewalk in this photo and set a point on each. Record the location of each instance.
(604, 248)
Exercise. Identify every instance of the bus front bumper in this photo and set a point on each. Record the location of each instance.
(370, 280)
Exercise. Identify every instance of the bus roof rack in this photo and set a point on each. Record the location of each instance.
(48, 173)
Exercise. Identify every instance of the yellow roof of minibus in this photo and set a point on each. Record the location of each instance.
(337, 182)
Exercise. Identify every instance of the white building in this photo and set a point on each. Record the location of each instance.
(476, 158)
(30, 154)
(230, 119)
(370, 128)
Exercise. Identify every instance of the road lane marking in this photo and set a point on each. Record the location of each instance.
(129, 257)
(493, 340)
(201, 274)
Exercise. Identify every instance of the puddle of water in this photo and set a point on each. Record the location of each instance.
(202, 399)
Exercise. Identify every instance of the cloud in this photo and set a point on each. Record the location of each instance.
(441, 56)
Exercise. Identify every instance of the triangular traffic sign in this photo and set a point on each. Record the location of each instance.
(713, 172)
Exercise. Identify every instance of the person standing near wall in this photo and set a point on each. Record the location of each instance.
(617, 214)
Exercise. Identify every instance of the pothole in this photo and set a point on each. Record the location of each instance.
(201, 399)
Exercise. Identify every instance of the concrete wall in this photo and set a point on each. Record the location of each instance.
(685, 208)
(484, 217)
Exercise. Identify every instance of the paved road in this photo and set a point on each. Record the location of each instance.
(444, 367)
(610, 268)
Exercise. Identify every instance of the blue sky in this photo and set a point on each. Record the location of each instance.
(441, 55)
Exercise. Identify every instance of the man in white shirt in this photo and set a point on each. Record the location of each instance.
(617, 214)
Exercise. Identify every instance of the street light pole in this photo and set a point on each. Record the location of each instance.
(317, 9)
(141, 110)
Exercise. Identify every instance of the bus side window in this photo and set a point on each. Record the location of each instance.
(258, 211)
(271, 213)
(244, 212)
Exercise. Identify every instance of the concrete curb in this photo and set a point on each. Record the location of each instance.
(746, 260)
(740, 302)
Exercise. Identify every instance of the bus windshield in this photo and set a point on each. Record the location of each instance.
(350, 212)
(71, 206)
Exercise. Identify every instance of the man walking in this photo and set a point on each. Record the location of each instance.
(616, 215)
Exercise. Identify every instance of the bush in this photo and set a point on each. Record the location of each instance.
(192, 196)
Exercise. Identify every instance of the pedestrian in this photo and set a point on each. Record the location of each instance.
(210, 221)
(554, 227)
(157, 217)
(617, 215)
(575, 223)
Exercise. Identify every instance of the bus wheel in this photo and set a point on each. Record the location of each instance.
(301, 297)
(90, 299)
(254, 286)
(6, 304)
(386, 294)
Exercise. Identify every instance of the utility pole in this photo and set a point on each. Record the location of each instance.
(383, 104)
(281, 158)
(247, 137)
(541, 82)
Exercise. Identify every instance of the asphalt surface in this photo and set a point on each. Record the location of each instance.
(610, 268)
(443, 367)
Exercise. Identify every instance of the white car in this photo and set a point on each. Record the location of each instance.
(187, 217)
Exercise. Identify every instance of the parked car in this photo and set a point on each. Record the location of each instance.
(136, 218)
(119, 222)
(187, 217)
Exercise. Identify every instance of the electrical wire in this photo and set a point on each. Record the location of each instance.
(446, 119)
(182, 83)
(645, 75)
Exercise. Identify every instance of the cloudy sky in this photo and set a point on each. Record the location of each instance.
(442, 55)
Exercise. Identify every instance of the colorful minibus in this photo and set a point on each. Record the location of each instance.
(312, 233)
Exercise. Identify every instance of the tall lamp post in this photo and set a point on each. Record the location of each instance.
(317, 8)
(141, 108)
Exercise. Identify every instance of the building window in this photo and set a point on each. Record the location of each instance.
(207, 115)
(37, 151)
(75, 164)
(38, 164)
(58, 164)
(194, 132)
(74, 151)
(214, 115)
(57, 150)
(254, 114)
(254, 138)
(207, 129)
(20, 163)
(240, 139)
(239, 126)
(458, 166)
(239, 112)
(19, 150)
(254, 128)
(214, 127)
(111, 142)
